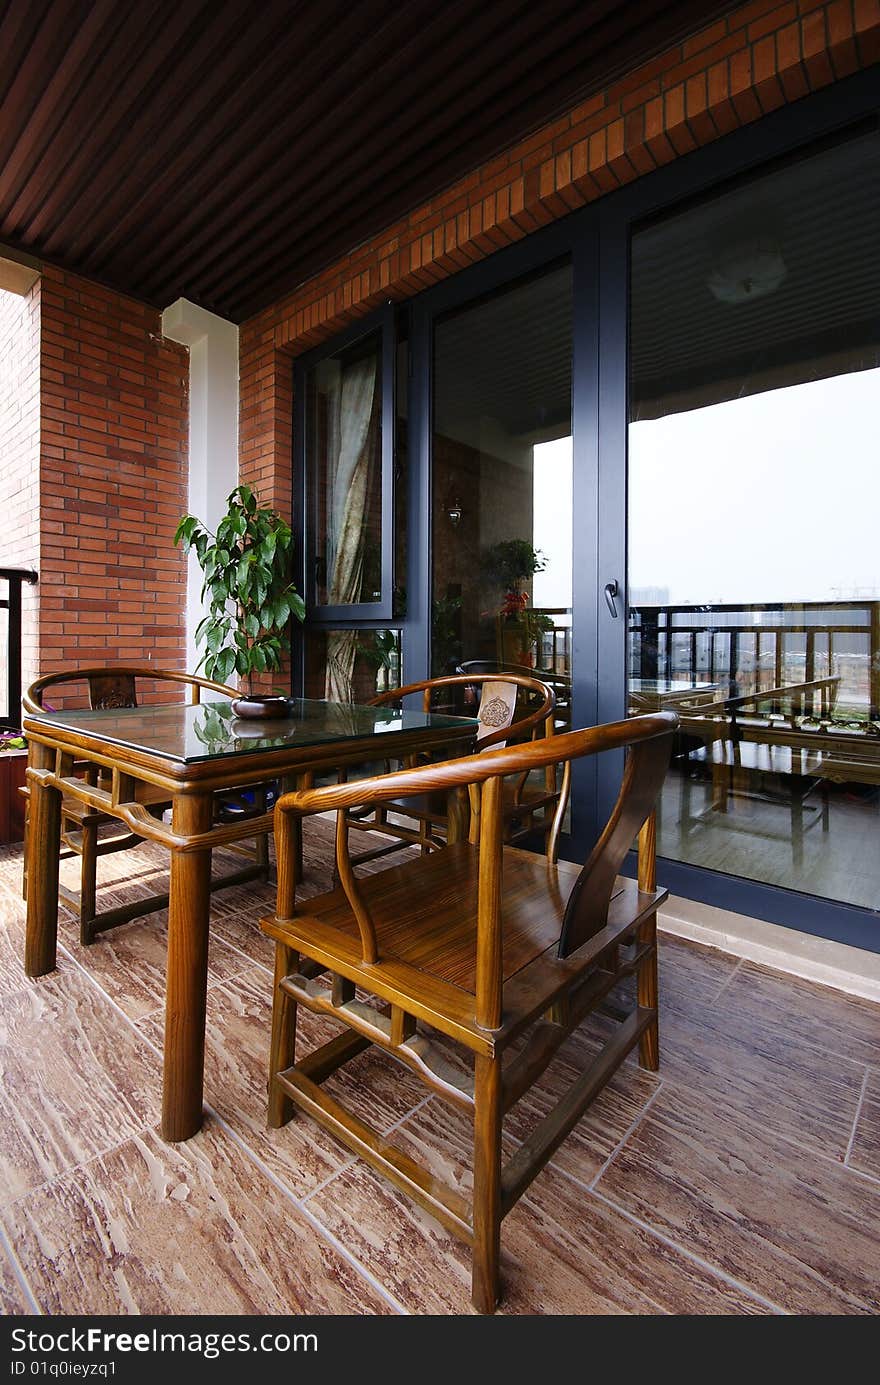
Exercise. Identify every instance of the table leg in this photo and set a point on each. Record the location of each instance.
(187, 979)
(43, 847)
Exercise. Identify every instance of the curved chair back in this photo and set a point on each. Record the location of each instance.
(115, 685)
(499, 695)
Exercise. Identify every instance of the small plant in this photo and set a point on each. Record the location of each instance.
(512, 562)
(445, 633)
(247, 571)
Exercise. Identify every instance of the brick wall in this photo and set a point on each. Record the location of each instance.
(113, 479)
(761, 56)
(20, 454)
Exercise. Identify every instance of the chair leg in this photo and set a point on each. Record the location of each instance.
(24, 853)
(283, 1043)
(485, 1285)
(88, 872)
(646, 990)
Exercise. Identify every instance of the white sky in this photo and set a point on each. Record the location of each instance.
(774, 497)
(552, 526)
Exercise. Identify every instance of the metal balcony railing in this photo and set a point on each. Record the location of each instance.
(760, 646)
(11, 581)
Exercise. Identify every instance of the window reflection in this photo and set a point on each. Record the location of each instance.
(754, 585)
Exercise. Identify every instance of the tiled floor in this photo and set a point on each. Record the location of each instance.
(743, 1178)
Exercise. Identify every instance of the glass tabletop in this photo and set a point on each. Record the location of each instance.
(211, 730)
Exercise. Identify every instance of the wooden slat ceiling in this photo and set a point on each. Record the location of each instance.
(225, 150)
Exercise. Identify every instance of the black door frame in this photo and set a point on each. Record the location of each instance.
(597, 240)
(555, 244)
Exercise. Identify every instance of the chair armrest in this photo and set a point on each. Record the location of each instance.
(476, 769)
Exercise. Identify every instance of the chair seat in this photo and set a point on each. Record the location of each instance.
(425, 910)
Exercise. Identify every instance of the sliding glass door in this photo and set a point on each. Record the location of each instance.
(501, 480)
(505, 478)
(754, 493)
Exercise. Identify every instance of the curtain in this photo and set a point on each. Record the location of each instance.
(353, 444)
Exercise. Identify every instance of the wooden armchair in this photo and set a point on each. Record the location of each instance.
(484, 943)
(111, 687)
(508, 707)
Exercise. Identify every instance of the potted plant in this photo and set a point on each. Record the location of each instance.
(251, 597)
(511, 563)
(13, 768)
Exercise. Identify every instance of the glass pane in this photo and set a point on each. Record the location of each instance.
(212, 730)
(754, 576)
(344, 441)
(352, 665)
(502, 482)
(401, 467)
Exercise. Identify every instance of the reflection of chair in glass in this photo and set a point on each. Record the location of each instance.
(496, 952)
(116, 686)
(508, 707)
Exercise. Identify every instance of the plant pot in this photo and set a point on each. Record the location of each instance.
(13, 766)
(261, 708)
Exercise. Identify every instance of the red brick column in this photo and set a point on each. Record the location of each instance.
(114, 415)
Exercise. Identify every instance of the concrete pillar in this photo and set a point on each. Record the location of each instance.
(213, 427)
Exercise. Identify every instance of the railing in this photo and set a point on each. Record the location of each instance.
(554, 644)
(748, 648)
(10, 668)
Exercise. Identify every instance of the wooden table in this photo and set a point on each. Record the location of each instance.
(191, 752)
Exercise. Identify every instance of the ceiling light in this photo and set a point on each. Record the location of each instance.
(747, 271)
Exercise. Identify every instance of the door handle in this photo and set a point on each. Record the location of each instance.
(611, 591)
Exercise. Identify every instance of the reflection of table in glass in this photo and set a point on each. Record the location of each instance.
(191, 752)
(658, 694)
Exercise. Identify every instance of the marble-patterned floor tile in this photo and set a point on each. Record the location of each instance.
(12, 906)
(832, 1022)
(167, 1229)
(76, 1080)
(237, 1049)
(242, 931)
(688, 971)
(757, 1069)
(12, 973)
(792, 1226)
(865, 1152)
(604, 1123)
(129, 962)
(13, 1300)
(563, 1251)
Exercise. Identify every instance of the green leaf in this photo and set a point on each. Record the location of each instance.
(224, 664)
(217, 635)
(185, 530)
